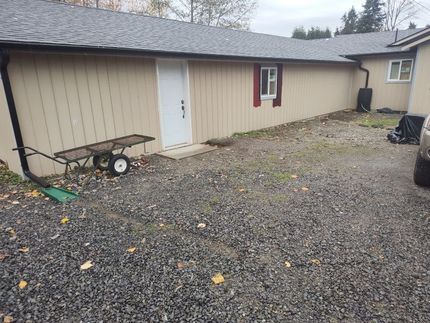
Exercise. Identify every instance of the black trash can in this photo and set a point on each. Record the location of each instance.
(364, 100)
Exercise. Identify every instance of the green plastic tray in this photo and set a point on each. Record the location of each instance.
(59, 194)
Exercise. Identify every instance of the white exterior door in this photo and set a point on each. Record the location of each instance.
(174, 105)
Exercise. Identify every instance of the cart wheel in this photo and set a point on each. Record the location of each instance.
(119, 165)
(102, 161)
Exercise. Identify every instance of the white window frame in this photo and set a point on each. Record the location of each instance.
(398, 80)
(268, 96)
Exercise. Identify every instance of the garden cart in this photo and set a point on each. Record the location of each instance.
(101, 154)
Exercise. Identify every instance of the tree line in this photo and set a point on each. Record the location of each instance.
(222, 13)
(375, 15)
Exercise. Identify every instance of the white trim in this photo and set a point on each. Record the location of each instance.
(268, 96)
(187, 94)
(416, 43)
(411, 37)
(398, 80)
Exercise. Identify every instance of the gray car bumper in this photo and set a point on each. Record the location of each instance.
(425, 144)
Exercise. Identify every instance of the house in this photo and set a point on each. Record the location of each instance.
(73, 75)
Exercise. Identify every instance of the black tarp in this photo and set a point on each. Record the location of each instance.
(408, 131)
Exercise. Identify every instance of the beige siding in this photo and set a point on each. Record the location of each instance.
(7, 138)
(64, 101)
(420, 94)
(392, 95)
(222, 96)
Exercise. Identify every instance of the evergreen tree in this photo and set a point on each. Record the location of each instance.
(312, 33)
(299, 33)
(412, 25)
(350, 20)
(372, 18)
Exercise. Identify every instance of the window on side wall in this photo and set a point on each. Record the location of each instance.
(268, 83)
(400, 70)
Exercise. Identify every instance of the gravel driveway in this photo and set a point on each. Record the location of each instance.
(314, 221)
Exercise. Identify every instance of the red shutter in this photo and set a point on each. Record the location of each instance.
(278, 101)
(257, 99)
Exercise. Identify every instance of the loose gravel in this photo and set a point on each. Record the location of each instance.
(311, 221)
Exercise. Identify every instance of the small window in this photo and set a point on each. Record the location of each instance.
(400, 70)
(269, 80)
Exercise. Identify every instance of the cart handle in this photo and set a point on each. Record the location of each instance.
(36, 152)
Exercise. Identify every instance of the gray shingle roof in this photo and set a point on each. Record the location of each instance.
(49, 23)
(365, 44)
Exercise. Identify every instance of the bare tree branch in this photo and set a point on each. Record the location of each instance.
(398, 12)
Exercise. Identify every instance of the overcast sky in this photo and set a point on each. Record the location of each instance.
(279, 17)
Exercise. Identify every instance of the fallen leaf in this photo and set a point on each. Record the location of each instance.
(294, 176)
(161, 224)
(242, 190)
(83, 214)
(131, 249)
(287, 264)
(12, 233)
(86, 265)
(22, 284)
(305, 189)
(33, 193)
(4, 196)
(14, 192)
(24, 249)
(218, 279)
(3, 256)
(8, 319)
(180, 265)
(316, 262)
(15, 202)
(201, 225)
(64, 220)
(295, 190)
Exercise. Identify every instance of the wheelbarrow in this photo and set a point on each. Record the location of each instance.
(101, 154)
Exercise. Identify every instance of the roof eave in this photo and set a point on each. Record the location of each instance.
(411, 38)
(68, 48)
(352, 56)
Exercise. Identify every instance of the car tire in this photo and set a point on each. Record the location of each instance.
(119, 165)
(422, 171)
(102, 161)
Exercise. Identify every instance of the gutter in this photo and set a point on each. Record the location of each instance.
(115, 51)
(4, 61)
(360, 66)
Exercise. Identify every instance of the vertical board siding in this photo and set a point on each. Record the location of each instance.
(420, 96)
(7, 138)
(391, 95)
(64, 101)
(222, 92)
